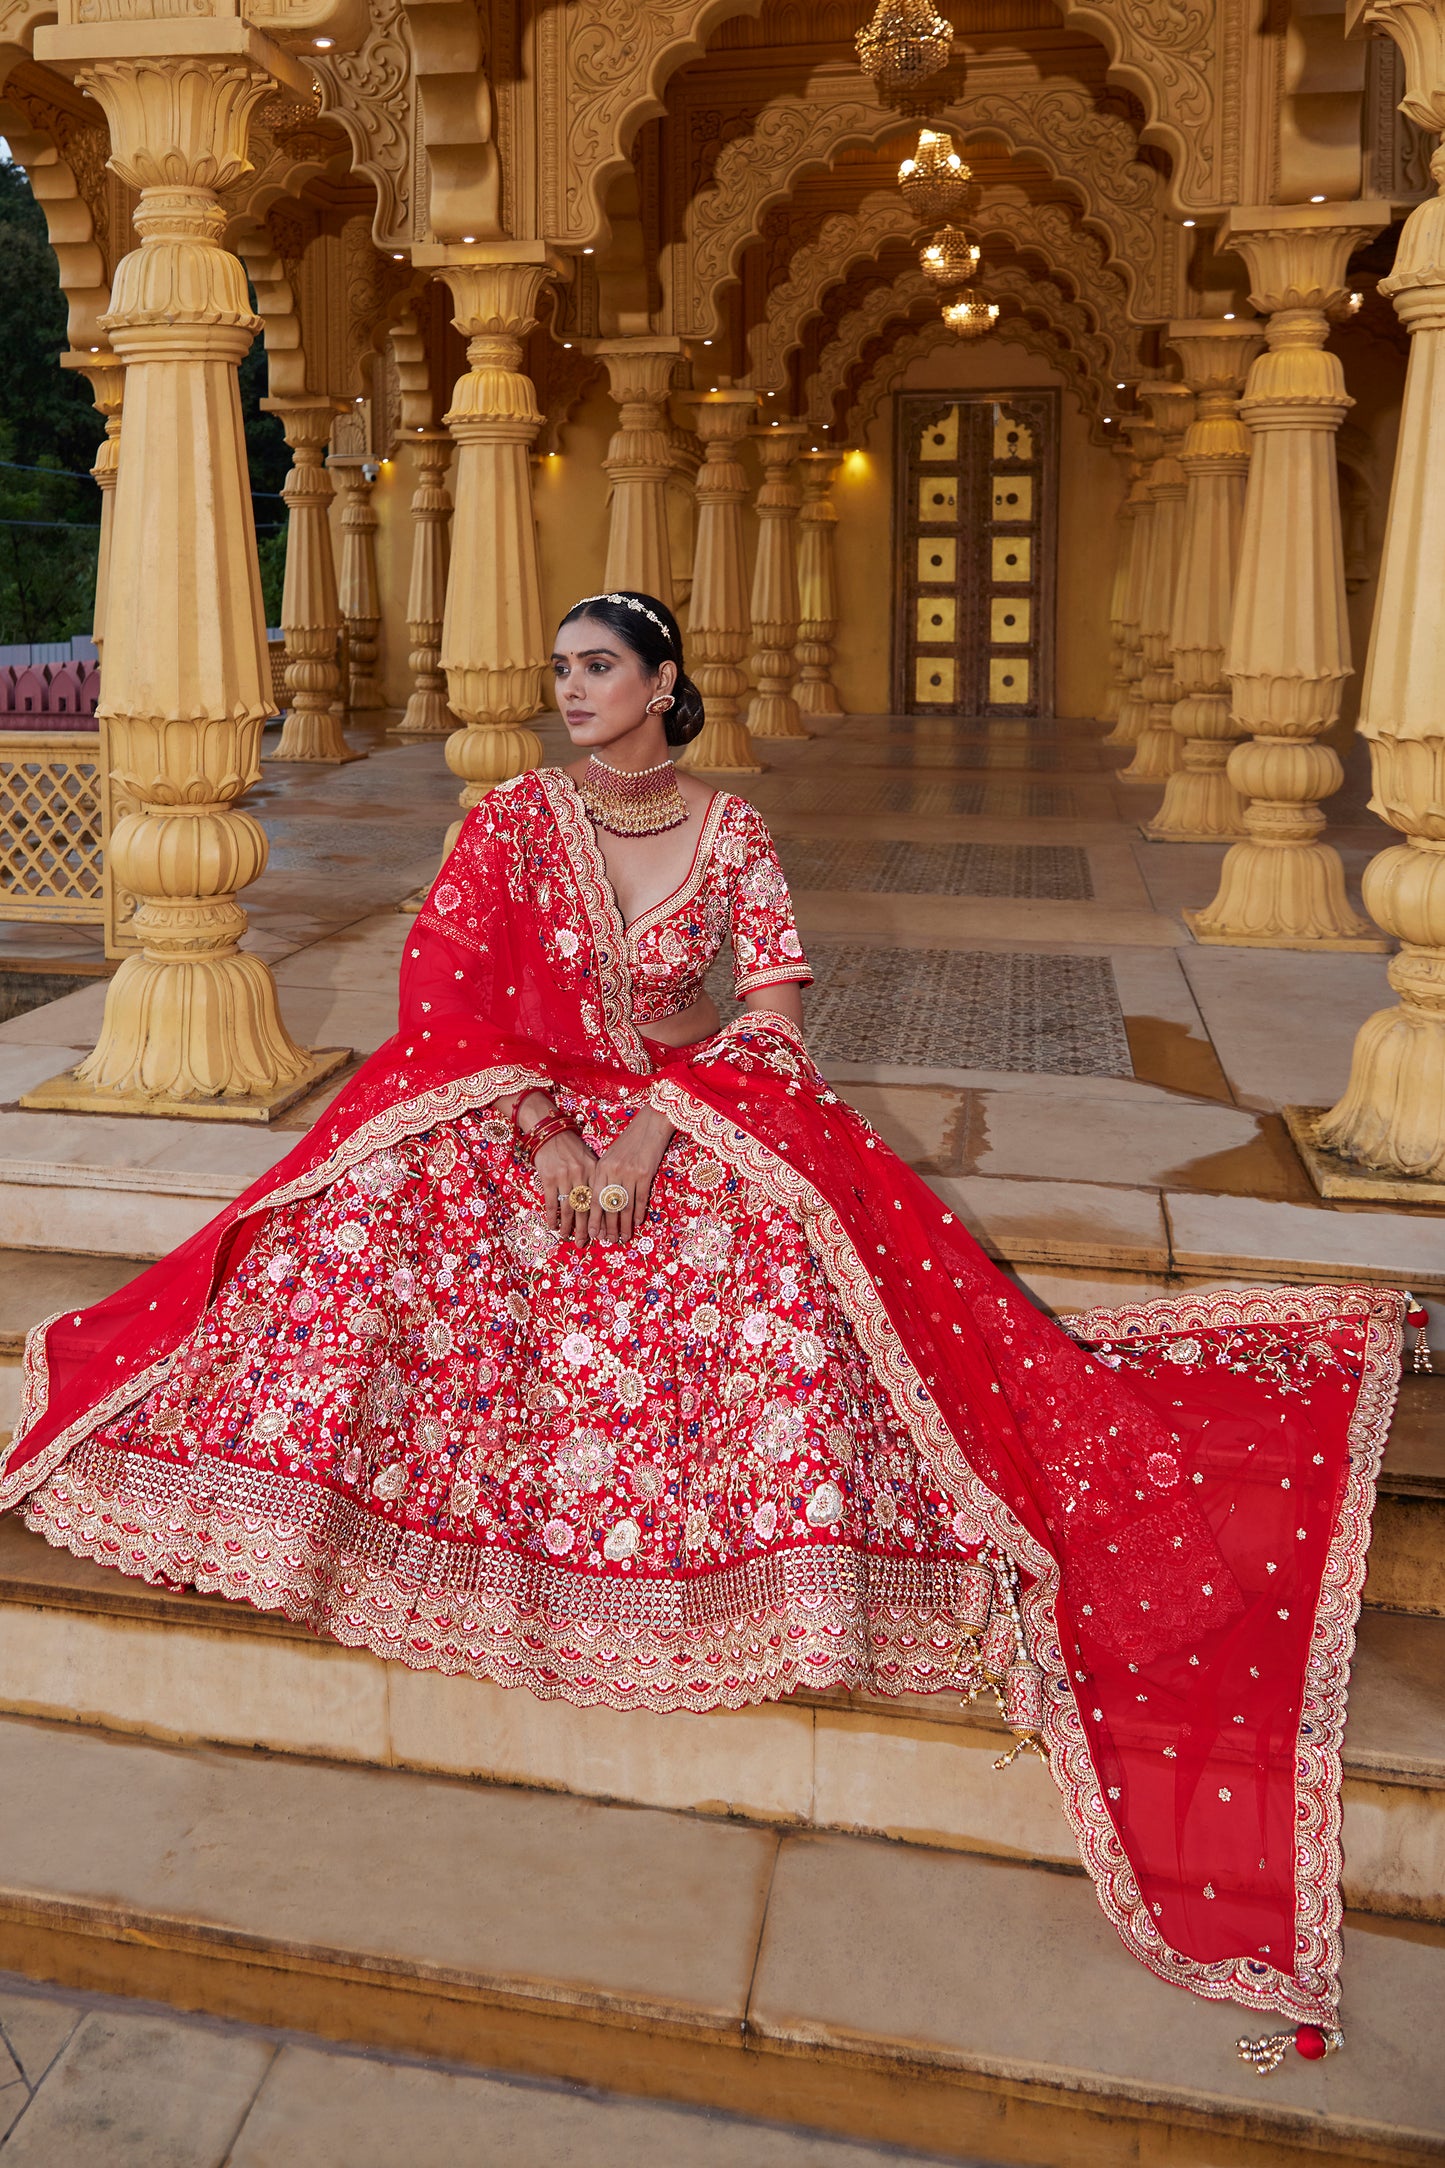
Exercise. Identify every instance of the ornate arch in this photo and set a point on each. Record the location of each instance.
(70, 224)
(600, 70)
(1045, 230)
(1170, 54)
(891, 364)
(1059, 123)
(899, 302)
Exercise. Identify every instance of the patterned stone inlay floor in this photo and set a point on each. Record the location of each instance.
(1005, 801)
(1009, 756)
(961, 1009)
(1055, 872)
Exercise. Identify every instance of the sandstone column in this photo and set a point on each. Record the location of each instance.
(815, 691)
(717, 617)
(357, 587)
(191, 1025)
(310, 609)
(1288, 651)
(1157, 754)
(775, 606)
(494, 644)
(427, 714)
(638, 461)
(1392, 1116)
(1201, 805)
(1118, 591)
(1144, 440)
(106, 378)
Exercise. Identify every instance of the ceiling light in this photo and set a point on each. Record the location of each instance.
(950, 257)
(1189, 221)
(935, 180)
(1317, 199)
(587, 252)
(970, 315)
(906, 41)
(1229, 316)
(324, 45)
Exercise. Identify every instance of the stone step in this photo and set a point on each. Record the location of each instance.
(959, 2005)
(82, 1644)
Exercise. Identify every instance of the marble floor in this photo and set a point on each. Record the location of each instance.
(87, 2081)
(1005, 984)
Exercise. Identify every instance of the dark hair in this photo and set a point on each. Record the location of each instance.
(649, 628)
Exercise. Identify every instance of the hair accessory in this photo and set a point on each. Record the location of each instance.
(636, 802)
(630, 602)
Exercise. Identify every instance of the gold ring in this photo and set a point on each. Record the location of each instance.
(613, 1198)
(580, 1197)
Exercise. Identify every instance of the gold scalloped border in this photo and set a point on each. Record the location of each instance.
(1311, 1992)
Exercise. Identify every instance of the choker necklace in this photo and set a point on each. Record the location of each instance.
(636, 802)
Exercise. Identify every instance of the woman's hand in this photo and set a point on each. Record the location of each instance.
(561, 1163)
(632, 1161)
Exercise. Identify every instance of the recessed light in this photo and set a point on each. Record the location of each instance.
(397, 256)
(707, 342)
(324, 45)
(587, 251)
(566, 346)
(1121, 387)
(1189, 221)
(1229, 316)
(467, 239)
(1317, 199)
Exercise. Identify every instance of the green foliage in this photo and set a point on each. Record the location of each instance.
(47, 569)
(47, 421)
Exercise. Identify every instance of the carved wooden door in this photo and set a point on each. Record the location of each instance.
(975, 526)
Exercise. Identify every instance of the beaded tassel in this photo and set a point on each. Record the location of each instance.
(1313, 2042)
(1418, 1316)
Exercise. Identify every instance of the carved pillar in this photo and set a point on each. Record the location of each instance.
(815, 691)
(1392, 1116)
(106, 378)
(639, 460)
(717, 618)
(190, 1024)
(774, 711)
(1288, 652)
(1144, 440)
(310, 609)
(1118, 592)
(494, 645)
(357, 587)
(1201, 805)
(1157, 753)
(427, 714)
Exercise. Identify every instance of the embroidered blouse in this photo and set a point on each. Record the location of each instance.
(734, 891)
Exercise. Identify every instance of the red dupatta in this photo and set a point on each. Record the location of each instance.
(1188, 1507)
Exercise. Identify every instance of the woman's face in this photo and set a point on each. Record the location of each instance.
(602, 687)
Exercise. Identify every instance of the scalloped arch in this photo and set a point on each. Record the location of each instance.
(849, 238)
(891, 365)
(1058, 123)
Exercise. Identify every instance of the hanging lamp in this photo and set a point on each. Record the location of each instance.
(907, 41)
(935, 180)
(950, 257)
(970, 315)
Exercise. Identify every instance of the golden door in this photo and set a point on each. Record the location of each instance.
(974, 530)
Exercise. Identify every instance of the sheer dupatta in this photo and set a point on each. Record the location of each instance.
(1186, 1502)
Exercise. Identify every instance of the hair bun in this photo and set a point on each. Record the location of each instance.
(686, 716)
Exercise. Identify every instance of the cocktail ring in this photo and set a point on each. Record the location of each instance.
(613, 1198)
(580, 1197)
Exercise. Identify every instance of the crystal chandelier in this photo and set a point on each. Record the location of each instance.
(970, 315)
(950, 257)
(934, 181)
(906, 41)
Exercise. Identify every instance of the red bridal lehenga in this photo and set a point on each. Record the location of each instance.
(798, 1433)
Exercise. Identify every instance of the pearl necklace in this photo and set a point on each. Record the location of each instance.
(632, 802)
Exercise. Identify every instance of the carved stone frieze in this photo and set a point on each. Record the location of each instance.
(1169, 53)
(372, 94)
(1080, 140)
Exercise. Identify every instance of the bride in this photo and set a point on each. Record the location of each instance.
(589, 1346)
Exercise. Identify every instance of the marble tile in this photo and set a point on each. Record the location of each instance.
(639, 1911)
(335, 2111)
(986, 1966)
(1247, 1236)
(918, 1124)
(194, 1683)
(74, 1020)
(1005, 925)
(1060, 1223)
(22, 1067)
(1283, 1024)
(138, 2091)
(36, 2028)
(1059, 871)
(1029, 1131)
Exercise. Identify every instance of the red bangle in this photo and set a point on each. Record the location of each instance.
(551, 1125)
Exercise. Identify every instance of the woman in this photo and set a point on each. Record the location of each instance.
(588, 1346)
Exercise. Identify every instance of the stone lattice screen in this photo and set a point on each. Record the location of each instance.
(50, 827)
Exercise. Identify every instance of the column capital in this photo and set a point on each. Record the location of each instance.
(720, 416)
(1214, 356)
(1296, 253)
(1418, 28)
